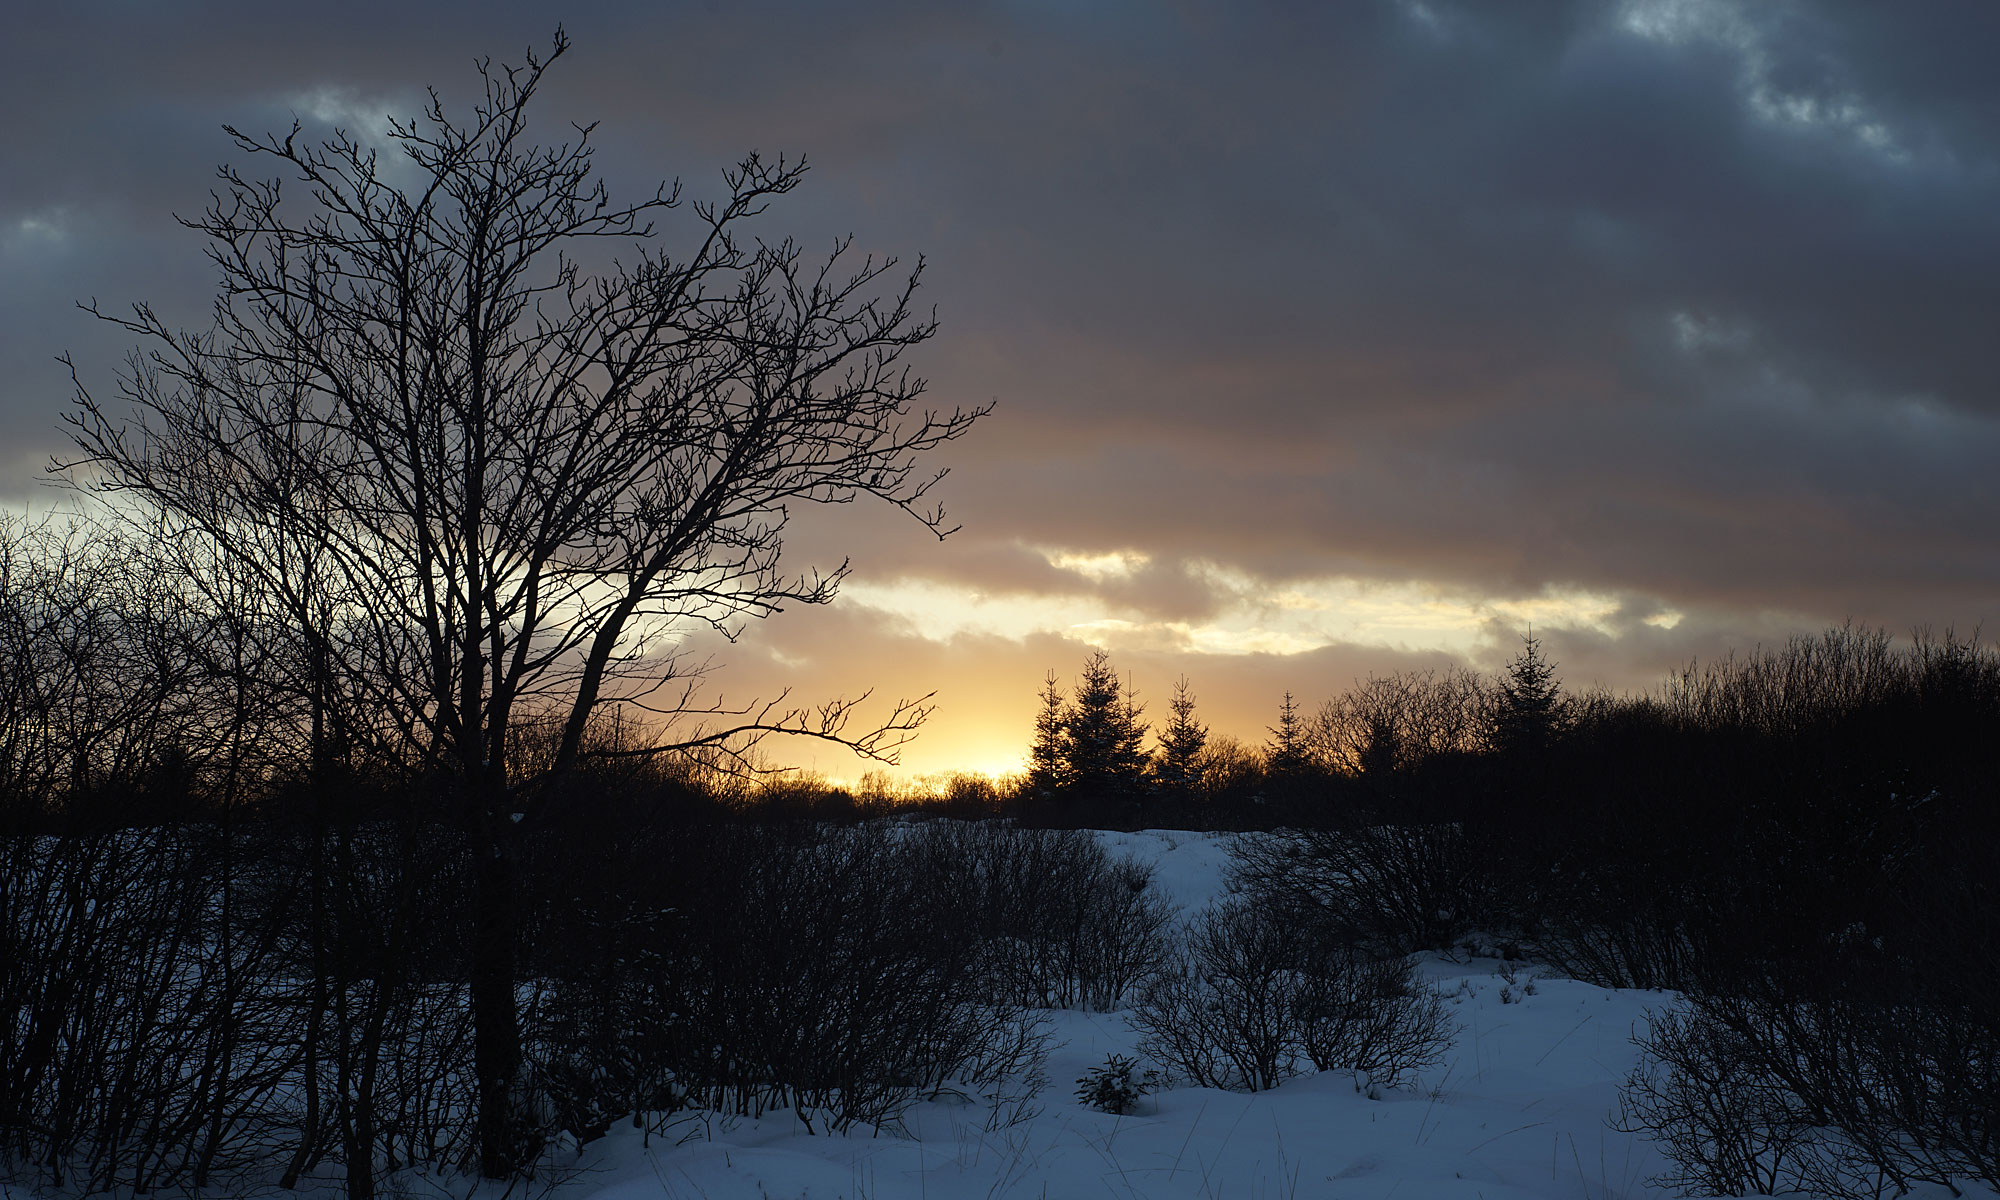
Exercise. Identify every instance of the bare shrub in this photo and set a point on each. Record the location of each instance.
(826, 969)
(1252, 994)
(1859, 1068)
(102, 1041)
(1399, 888)
(1220, 1013)
(1810, 684)
(1903, 1089)
(1232, 775)
(1629, 941)
(1395, 722)
(1122, 938)
(1370, 1016)
(1701, 1092)
(1062, 925)
(189, 1018)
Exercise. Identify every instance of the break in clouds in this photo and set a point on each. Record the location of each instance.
(1326, 339)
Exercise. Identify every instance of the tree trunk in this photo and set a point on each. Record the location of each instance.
(317, 999)
(496, 1027)
(361, 1184)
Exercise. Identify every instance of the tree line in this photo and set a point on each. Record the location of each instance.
(1088, 760)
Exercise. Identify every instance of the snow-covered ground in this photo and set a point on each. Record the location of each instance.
(1519, 1109)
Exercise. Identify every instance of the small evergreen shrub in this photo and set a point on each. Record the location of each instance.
(1115, 1086)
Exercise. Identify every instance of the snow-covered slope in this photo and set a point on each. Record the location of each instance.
(1519, 1110)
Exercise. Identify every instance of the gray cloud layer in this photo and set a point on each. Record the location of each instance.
(1693, 302)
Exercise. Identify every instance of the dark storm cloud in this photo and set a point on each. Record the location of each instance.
(1689, 301)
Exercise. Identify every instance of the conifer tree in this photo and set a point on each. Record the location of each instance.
(1048, 757)
(1104, 734)
(1530, 709)
(1285, 752)
(1181, 743)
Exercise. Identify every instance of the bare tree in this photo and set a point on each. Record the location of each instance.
(496, 485)
(98, 688)
(1388, 723)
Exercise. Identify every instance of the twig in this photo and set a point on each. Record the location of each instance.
(1496, 1137)
(1559, 1041)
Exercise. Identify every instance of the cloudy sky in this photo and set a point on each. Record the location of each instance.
(1325, 338)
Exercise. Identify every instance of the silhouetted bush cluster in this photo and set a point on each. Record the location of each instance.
(1831, 1094)
(1865, 1060)
(230, 952)
(1062, 924)
(1757, 805)
(208, 1002)
(1400, 888)
(837, 971)
(1803, 842)
(1729, 1128)
(194, 1002)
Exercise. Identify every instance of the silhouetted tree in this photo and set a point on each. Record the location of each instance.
(518, 479)
(1381, 751)
(1103, 735)
(1529, 709)
(1285, 752)
(1232, 778)
(1182, 741)
(1048, 756)
(1401, 720)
